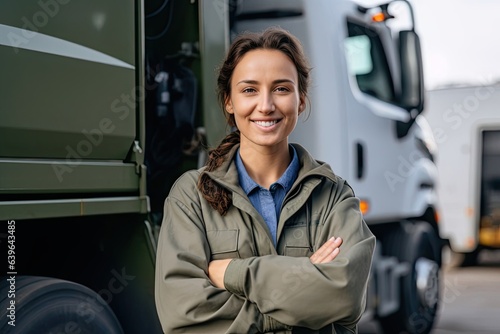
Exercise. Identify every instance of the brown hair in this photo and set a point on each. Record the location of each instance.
(270, 39)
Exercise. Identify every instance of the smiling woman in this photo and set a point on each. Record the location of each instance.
(263, 228)
(265, 102)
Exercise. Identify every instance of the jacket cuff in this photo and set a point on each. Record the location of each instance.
(234, 276)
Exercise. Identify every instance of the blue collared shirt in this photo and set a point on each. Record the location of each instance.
(268, 201)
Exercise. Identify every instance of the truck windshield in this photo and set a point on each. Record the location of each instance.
(367, 61)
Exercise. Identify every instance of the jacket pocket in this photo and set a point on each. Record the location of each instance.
(298, 241)
(223, 244)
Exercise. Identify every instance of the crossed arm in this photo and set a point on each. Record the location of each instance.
(326, 253)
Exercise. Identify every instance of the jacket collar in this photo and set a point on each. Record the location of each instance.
(310, 174)
(227, 174)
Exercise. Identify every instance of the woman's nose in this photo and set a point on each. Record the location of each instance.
(266, 104)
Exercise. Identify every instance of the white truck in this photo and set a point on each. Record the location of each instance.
(105, 103)
(466, 125)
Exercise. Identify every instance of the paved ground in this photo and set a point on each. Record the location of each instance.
(470, 301)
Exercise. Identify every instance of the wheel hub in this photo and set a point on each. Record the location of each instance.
(427, 272)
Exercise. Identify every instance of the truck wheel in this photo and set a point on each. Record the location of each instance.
(49, 305)
(470, 259)
(417, 245)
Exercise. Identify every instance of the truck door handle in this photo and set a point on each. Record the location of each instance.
(360, 160)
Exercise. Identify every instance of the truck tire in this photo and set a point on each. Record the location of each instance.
(460, 259)
(49, 305)
(470, 259)
(418, 245)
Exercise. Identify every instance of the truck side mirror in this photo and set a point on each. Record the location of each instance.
(412, 81)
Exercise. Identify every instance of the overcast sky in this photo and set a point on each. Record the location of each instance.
(460, 40)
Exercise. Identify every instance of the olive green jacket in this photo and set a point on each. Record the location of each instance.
(268, 290)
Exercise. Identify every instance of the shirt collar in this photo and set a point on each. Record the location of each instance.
(246, 182)
(286, 180)
(290, 175)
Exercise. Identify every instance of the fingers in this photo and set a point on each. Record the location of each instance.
(327, 252)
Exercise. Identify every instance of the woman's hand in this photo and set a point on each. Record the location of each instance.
(327, 252)
(216, 271)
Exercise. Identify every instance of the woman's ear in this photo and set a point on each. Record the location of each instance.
(229, 106)
(302, 104)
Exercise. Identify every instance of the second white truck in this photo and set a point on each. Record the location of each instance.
(466, 125)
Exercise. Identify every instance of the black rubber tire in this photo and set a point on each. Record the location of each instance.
(49, 305)
(470, 259)
(409, 243)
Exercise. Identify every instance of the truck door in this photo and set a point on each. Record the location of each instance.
(386, 169)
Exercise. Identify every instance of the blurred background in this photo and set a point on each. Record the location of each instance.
(459, 42)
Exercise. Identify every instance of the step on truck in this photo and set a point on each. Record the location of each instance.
(105, 104)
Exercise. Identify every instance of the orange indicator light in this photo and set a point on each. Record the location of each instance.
(364, 206)
(378, 17)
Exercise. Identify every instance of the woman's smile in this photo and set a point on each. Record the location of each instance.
(266, 124)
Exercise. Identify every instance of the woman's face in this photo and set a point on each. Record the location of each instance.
(265, 99)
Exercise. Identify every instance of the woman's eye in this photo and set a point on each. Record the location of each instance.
(282, 89)
(248, 90)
